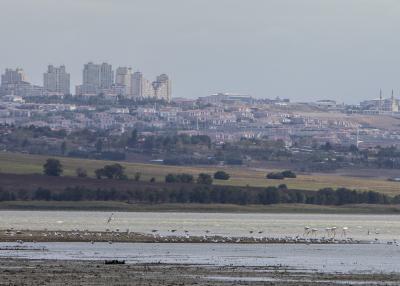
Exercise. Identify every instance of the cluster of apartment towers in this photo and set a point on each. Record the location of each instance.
(98, 79)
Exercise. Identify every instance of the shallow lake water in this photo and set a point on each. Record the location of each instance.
(374, 258)
(365, 227)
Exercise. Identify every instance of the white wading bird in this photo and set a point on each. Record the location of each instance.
(344, 231)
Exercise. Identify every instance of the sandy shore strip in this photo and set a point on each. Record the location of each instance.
(52, 272)
(21, 236)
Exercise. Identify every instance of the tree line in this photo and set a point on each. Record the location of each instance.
(140, 192)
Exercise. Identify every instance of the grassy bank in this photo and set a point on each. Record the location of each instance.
(210, 208)
(13, 163)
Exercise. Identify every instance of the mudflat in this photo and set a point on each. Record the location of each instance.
(52, 272)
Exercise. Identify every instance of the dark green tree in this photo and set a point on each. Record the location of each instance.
(114, 171)
(204, 179)
(52, 167)
(221, 175)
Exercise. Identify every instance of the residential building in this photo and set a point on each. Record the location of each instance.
(15, 82)
(158, 89)
(228, 98)
(27, 89)
(96, 79)
(13, 76)
(141, 87)
(56, 81)
(10, 81)
(106, 76)
(123, 80)
(162, 88)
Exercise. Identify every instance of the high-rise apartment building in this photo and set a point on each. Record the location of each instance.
(106, 76)
(162, 88)
(96, 79)
(56, 81)
(123, 81)
(141, 87)
(136, 85)
(91, 78)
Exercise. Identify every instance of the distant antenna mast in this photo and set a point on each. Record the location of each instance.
(380, 100)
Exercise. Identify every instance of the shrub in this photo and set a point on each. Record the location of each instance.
(275, 176)
(81, 173)
(179, 178)
(42, 194)
(289, 174)
(171, 178)
(6, 196)
(282, 187)
(281, 175)
(221, 175)
(185, 178)
(137, 176)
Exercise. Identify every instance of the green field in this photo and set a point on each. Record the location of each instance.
(17, 163)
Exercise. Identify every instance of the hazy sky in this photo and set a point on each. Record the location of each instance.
(301, 49)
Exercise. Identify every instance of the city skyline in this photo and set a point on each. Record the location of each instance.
(300, 50)
(96, 79)
(122, 79)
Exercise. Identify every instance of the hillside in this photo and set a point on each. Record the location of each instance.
(16, 163)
